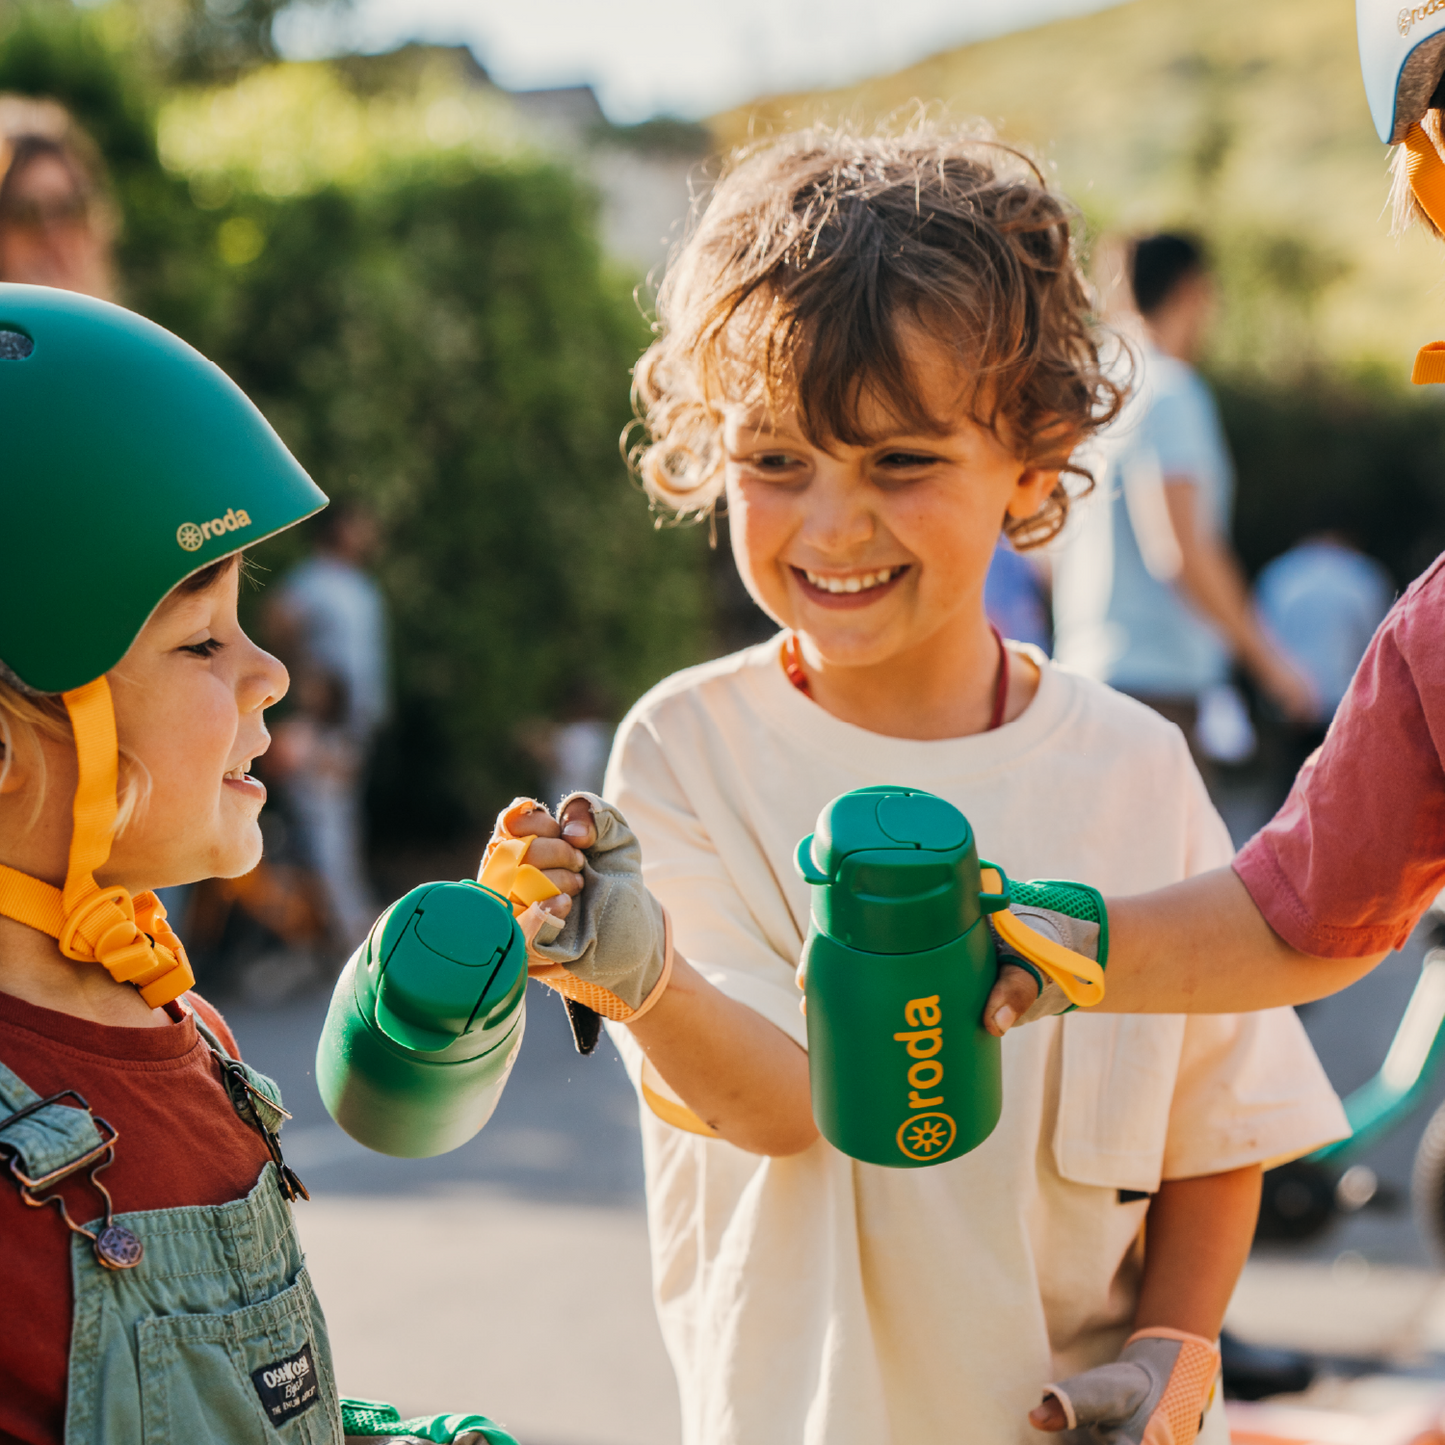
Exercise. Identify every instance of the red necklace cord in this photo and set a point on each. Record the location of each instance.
(792, 660)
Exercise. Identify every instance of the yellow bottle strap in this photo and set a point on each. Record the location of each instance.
(505, 870)
(1080, 979)
(1426, 172)
(129, 937)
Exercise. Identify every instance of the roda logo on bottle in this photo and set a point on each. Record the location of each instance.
(928, 1131)
(190, 535)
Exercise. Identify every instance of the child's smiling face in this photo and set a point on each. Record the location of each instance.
(189, 697)
(872, 551)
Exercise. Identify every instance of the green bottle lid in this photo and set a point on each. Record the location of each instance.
(895, 870)
(446, 971)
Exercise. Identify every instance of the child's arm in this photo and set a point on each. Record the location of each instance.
(1196, 1240)
(737, 1072)
(1200, 946)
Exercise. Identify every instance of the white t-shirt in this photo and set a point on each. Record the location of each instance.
(815, 1299)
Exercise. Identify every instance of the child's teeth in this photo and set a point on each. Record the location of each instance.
(860, 583)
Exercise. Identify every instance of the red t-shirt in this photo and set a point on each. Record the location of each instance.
(1357, 853)
(181, 1142)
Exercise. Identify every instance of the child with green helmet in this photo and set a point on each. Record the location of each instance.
(156, 1288)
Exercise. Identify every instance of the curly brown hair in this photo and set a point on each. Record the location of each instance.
(818, 251)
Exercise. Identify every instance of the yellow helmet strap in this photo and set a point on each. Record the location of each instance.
(1427, 180)
(129, 937)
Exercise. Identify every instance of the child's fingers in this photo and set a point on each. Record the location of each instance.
(578, 826)
(1013, 992)
(563, 879)
(1049, 1414)
(554, 855)
(535, 822)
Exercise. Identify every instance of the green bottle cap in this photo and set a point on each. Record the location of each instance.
(895, 870)
(447, 969)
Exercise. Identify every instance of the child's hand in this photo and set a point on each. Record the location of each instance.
(1052, 944)
(1155, 1393)
(614, 952)
(1049, 1415)
(555, 846)
(1015, 991)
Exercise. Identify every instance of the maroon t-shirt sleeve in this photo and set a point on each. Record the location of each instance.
(1357, 853)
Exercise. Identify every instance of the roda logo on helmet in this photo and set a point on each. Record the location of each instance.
(189, 535)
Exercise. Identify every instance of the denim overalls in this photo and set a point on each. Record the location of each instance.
(214, 1334)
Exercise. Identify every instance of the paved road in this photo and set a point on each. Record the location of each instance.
(565, 1130)
(510, 1276)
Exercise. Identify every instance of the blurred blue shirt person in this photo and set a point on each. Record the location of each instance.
(1013, 598)
(1323, 600)
(1148, 595)
(1131, 627)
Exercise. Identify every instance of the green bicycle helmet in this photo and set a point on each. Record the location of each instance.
(130, 462)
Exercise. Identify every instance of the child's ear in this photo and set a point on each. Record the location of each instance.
(12, 775)
(1032, 490)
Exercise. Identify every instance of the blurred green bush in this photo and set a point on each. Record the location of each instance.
(437, 333)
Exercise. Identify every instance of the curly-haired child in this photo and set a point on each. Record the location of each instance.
(879, 352)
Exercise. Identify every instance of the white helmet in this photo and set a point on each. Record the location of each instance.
(1402, 56)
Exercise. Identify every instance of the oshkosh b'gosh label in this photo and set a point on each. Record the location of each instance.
(288, 1386)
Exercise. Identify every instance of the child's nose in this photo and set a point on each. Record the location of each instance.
(264, 683)
(839, 521)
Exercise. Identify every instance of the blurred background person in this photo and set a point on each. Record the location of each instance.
(1148, 594)
(572, 750)
(328, 621)
(1323, 600)
(57, 222)
(1015, 596)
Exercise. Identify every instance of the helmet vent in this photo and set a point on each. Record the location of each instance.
(14, 345)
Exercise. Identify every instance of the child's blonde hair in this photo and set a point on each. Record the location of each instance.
(26, 716)
(816, 251)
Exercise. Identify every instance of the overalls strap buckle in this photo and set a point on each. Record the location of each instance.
(257, 1100)
(46, 1142)
(58, 1141)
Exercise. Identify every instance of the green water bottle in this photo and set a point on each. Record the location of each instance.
(899, 962)
(426, 1021)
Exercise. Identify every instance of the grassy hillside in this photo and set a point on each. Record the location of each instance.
(1244, 119)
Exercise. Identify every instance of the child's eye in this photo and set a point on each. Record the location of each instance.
(905, 461)
(770, 466)
(209, 648)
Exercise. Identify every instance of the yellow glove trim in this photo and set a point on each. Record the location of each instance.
(1080, 979)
